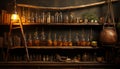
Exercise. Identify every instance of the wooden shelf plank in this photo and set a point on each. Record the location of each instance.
(58, 24)
(55, 47)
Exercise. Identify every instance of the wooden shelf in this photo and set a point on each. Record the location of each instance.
(55, 47)
(39, 63)
(58, 24)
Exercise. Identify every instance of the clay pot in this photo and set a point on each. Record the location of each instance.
(108, 36)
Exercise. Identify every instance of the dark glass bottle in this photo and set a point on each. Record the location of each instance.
(76, 43)
(55, 40)
(43, 38)
(36, 38)
(49, 40)
(59, 42)
(69, 39)
(29, 41)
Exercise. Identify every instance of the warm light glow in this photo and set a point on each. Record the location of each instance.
(14, 17)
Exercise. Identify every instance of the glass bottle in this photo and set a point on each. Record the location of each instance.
(28, 16)
(59, 43)
(52, 19)
(56, 17)
(36, 38)
(88, 40)
(65, 43)
(55, 40)
(23, 15)
(66, 19)
(29, 41)
(39, 18)
(60, 17)
(69, 39)
(81, 20)
(49, 39)
(48, 17)
(43, 18)
(71, 17)
(43, 38)
(77, 43)
(85, 57)
(83, 42)
(36, 17)
(32, 17)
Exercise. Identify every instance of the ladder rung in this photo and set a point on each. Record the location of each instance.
(15, 27)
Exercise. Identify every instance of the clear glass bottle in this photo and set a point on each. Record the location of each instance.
(48, 17)
(43, 20)
(56, 17)
(28, 16)
(36, 17)
(60, 17)
(66, 19)
(32, 18)
(71, 17)
(23, 15)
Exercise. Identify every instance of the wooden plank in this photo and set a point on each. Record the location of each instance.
(65, 8)
(55, 47)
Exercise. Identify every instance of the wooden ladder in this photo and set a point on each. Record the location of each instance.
(23, 35)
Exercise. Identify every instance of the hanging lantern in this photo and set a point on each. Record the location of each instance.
(108, 36)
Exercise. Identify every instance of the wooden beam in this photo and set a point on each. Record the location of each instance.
(65, 8)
